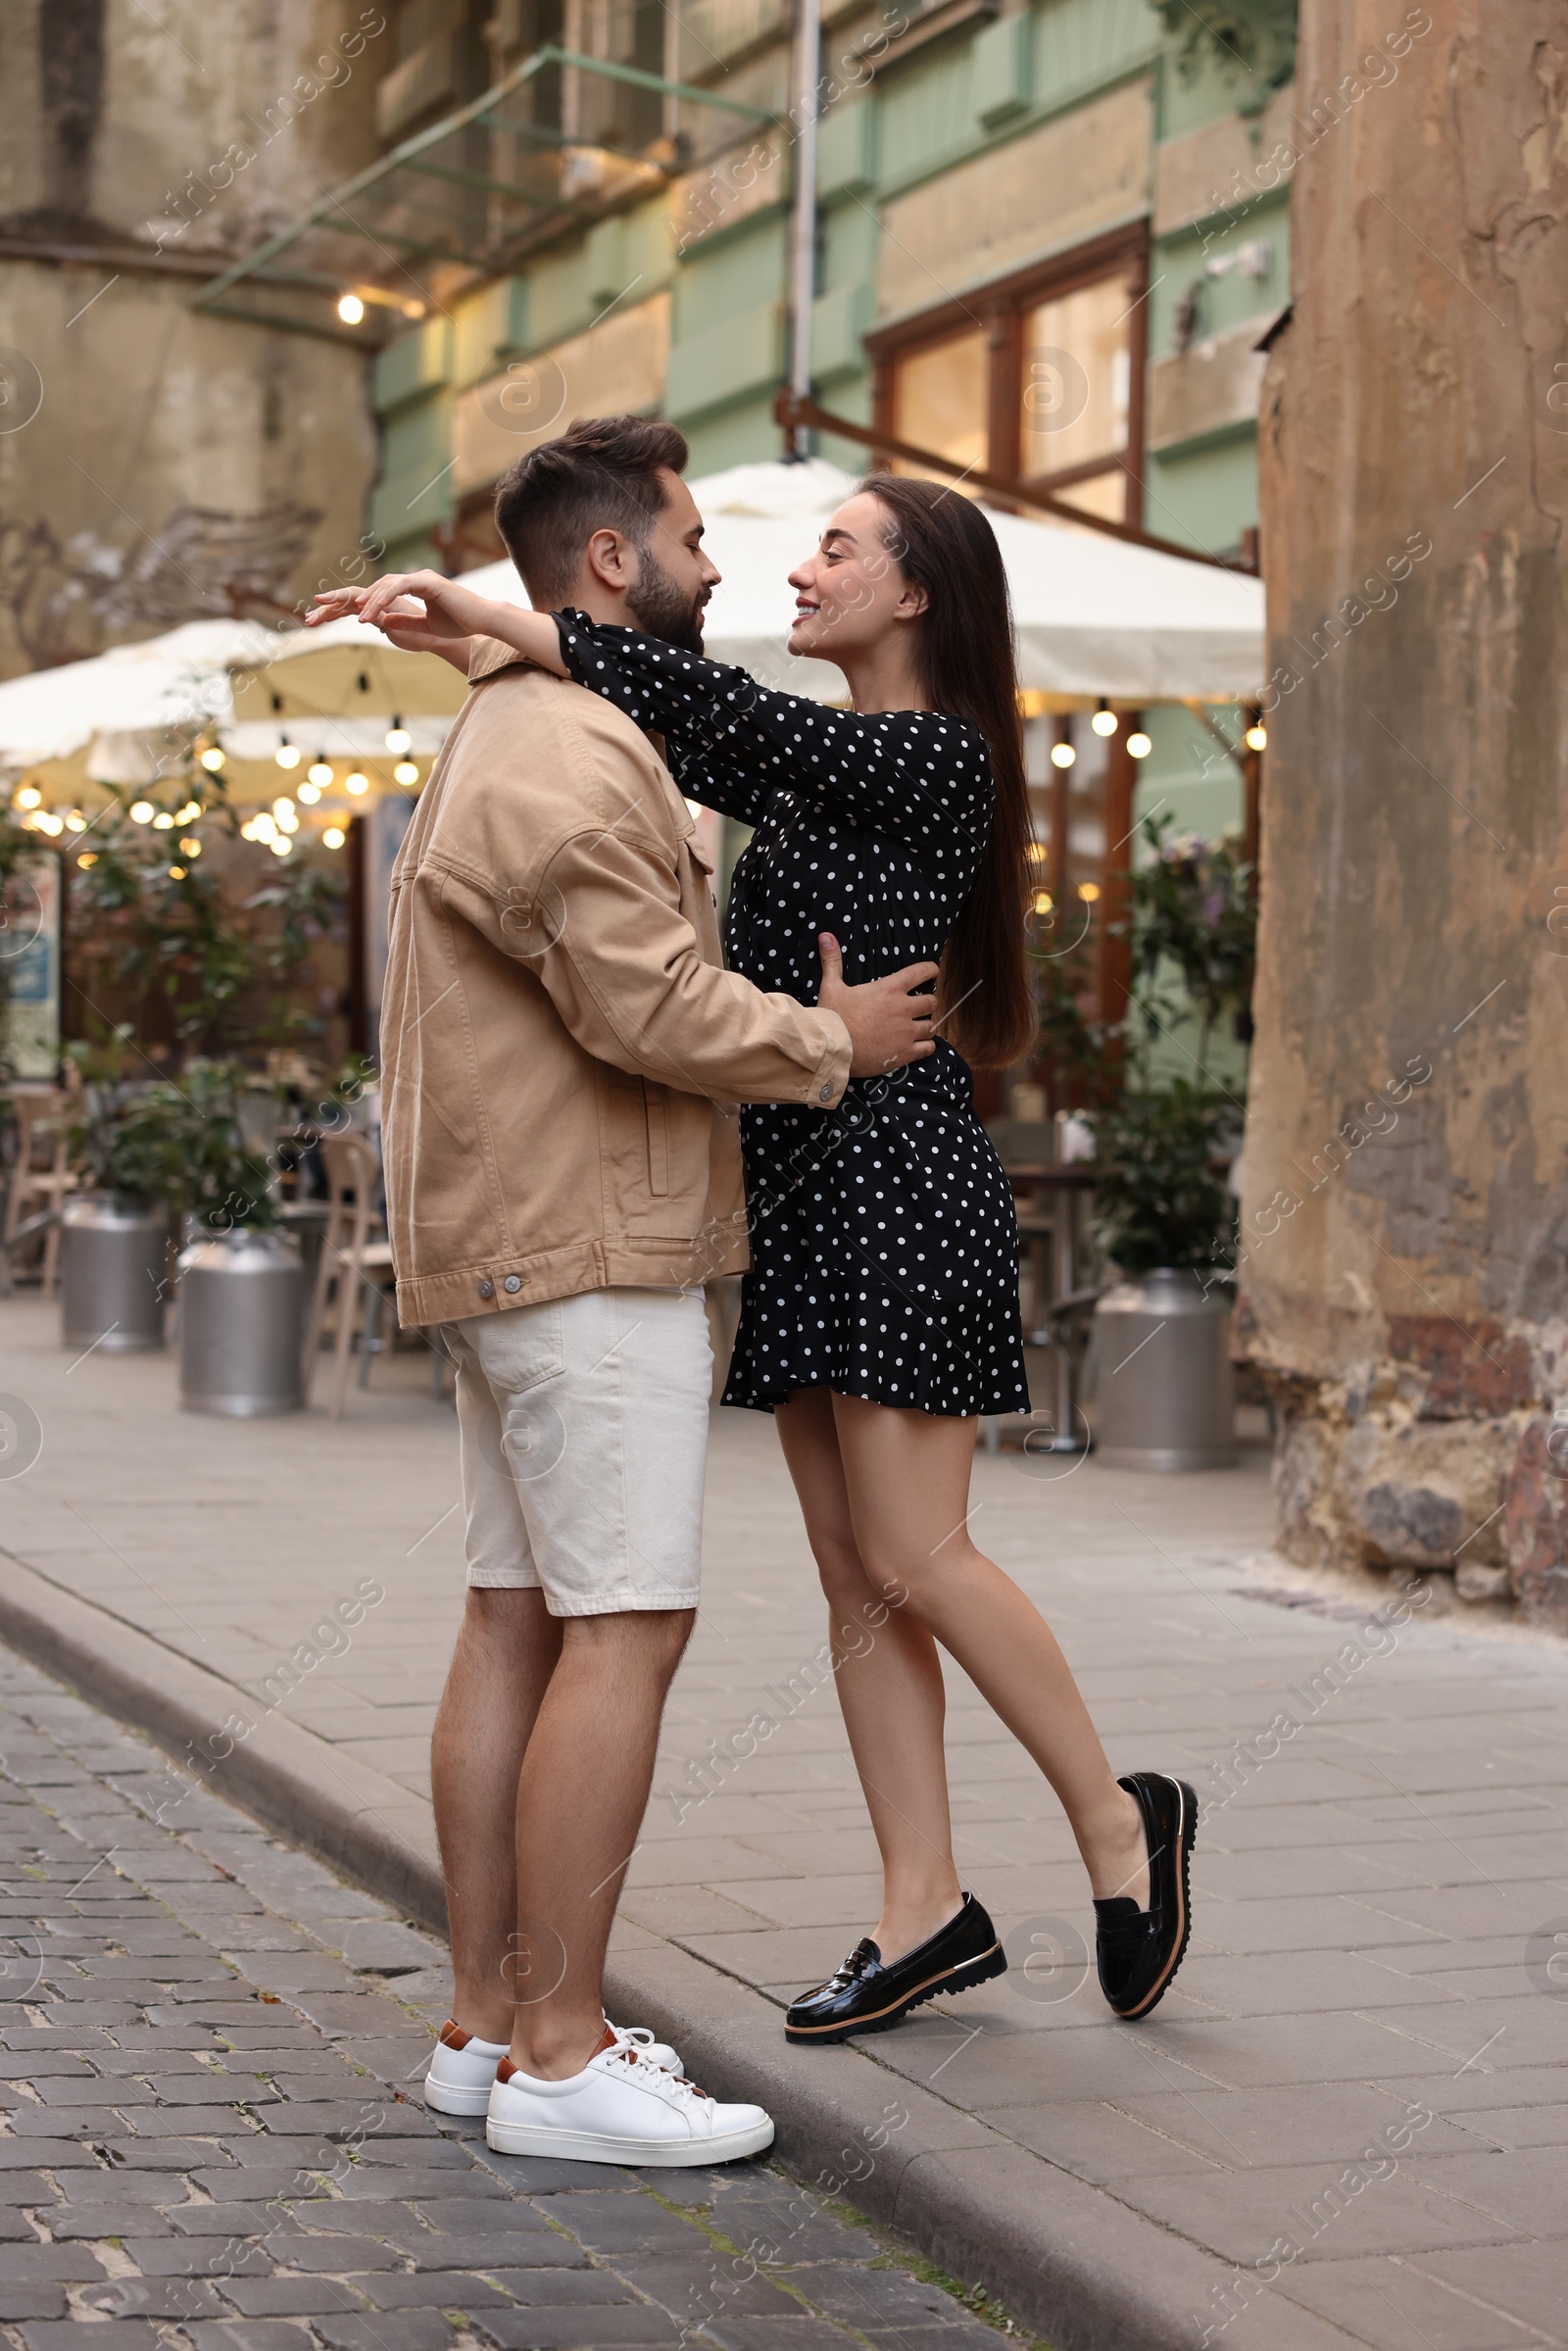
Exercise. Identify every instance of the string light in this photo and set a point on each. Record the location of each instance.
(1138, 745)
(177, 873)
(287, 754)
(259, 827)
(1089, 892)
(1105, 721)
(357, 783)
(76, 821)
(190, 849)
(309, 793)
(1062, 754)
(1258, 738)
(285, 816)
(189, 813)
(1044, 901)
(406, 771)
(333, 837)
(29, 797)
(88, 857)
(141, 811)
(163, 823)
(319, 771)
(350, 309)
(398, 737)
(282, 847)
(213, 759)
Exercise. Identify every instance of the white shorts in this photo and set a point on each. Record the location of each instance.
(584, 1426)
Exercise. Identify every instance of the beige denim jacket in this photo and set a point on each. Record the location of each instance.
(561, 1045)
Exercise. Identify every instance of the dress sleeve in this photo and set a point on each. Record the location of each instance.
(916, 775)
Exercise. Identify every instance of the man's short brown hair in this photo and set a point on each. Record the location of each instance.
(602, 474)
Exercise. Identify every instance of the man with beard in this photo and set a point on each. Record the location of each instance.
(560, 1047)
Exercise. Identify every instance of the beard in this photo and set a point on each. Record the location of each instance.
(663, 608)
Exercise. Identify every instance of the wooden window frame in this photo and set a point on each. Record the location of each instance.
(1001, 310)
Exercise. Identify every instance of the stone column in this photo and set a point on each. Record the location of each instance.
(1406, 1214)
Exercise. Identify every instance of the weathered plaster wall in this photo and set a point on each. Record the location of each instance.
(1405, 1218)
(172, 452)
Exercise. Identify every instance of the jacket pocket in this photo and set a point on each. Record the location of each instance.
(658, 1125)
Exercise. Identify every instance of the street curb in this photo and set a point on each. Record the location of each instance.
(1063, 2258)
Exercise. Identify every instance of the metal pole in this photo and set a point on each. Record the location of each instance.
(802, 223)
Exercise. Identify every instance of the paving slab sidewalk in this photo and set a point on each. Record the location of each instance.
(1342, 2126)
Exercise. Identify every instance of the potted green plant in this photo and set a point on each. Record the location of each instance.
(129, 1149)
(1165, 1222)
(241, 1281)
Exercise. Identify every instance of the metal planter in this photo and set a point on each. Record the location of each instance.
(1163, 1375)
(241, 1325)
(113, 1274)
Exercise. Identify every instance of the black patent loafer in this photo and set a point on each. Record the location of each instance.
(1139, 1951)
(867, 1995)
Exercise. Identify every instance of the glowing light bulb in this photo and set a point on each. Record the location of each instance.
(46, 823)
(350, 309)
(1062, 754)
(1044, 901)
(163, 823)
(1138, 745)
(1103, 721)
(333, 837)
(177, 873)
(261, 827)
(286, 815)
(88, 857)
(141, 811)
(189, 813)
(357, 783)
(320, 772)
(76, 821)
(190, 849)
(1258, 738)
(29, 797)
(406, 771)
(213, 759)
(309, 793)
(282, 847)
(398, 737)
(287, 755)
(1089, 892)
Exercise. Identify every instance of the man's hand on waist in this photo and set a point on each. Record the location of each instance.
(888, 1024)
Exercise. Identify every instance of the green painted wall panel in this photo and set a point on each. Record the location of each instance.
(711, 287)
(1205, 499)
(742, 355)
(926, 114)
(414, 366)
(737, 437)
(1080, 42)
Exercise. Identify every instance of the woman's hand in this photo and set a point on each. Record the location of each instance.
(422, 611)
(410, 628)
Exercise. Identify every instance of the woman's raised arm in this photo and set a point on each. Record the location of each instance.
(445, 620)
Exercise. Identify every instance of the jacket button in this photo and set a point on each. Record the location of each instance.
(486, 1290)
(826, 1094)
(513, 1281)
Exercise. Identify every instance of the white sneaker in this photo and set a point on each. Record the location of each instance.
(463, 2071)
(620, 2109)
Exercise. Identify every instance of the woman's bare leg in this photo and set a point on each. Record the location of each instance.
(889, 1679)
(907, 1473)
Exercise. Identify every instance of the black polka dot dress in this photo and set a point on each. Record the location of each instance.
(884, 1244)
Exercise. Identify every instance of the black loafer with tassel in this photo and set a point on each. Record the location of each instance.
(1139, 1951)
(867, 1995)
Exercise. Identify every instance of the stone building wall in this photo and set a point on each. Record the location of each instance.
(151, 455)
(1406, 1216)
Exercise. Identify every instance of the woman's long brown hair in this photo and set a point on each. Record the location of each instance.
(942, 543)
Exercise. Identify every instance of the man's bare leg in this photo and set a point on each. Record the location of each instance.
(580, 1799)
(507, 1651)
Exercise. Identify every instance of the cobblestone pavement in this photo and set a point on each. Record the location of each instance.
(212, 2137)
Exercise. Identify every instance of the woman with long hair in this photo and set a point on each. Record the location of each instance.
(881, 1314)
